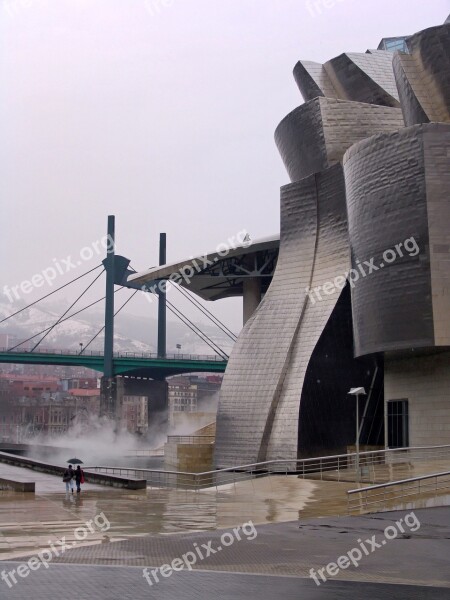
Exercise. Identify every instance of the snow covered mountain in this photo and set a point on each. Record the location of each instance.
(132, 333)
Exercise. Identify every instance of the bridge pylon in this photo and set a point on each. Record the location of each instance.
(111, 387)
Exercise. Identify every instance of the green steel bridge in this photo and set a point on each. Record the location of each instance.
(111, 364)
(131, 364)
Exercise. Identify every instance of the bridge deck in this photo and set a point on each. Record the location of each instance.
(125, 363)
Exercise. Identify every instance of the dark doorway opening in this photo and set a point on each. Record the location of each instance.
(397, 422)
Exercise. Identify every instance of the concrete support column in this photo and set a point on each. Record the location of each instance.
(251, 297)
(158, 401)
(111, 398)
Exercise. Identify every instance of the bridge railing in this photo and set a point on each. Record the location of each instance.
(338, 468)
(126, 354)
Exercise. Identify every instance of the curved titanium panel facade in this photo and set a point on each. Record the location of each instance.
(423, 76)
(358, 77)
(269, 360)
(391, 186)
(316, 135)
(313, 81)
(413, 112)
(364, 78)
(277, 398)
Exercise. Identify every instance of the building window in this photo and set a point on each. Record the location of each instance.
(398, 423)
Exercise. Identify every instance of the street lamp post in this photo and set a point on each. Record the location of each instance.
(357, 392)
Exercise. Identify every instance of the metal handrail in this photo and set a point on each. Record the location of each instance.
(299, 467)
(399, 482)
(364, 500)
(190, 439)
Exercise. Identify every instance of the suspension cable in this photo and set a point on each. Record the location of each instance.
(65, 319)
(116, 313)
(207, 313)
(60, 318)
(65, 312)
(213, 345)
(198, 332)
(54, 292)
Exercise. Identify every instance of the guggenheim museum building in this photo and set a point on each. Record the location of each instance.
(360, 295)
(355, 292)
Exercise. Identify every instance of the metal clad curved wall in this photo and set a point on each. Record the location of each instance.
(316, 135)
(364, 78)
(300, 140)
(257, 364)
(387, 204)
(423, 76)
(312, 80)
(331, 259)
(413, 112)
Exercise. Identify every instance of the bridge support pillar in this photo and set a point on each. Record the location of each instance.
(157, 393)
(158, 407)
(162, 301)
(111, 398)
(251, 296)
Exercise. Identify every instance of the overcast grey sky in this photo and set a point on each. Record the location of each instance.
(163, 116)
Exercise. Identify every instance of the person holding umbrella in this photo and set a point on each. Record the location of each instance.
(78, 475)
(79, 478)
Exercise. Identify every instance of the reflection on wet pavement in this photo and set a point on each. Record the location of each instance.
(29, 522)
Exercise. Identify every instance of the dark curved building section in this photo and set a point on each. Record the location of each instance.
(388, 224)
(327, 413)
(423, 76)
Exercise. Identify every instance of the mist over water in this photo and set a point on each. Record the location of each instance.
(98, 442)
(95, 442)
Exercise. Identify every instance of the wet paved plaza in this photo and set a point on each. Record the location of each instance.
(152, 527)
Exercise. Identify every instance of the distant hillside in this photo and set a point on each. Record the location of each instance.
(132, 333)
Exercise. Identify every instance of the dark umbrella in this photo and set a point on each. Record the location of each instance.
(75, 461)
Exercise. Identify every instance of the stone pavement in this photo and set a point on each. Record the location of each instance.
(127, 583)
(274, 563)
(420, 557)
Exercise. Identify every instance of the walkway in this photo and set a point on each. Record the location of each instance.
(274, 564)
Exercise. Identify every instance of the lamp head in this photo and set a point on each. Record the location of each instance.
(357, 391)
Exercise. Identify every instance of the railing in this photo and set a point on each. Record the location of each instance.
(374, 497)
(99, 353)
(149, 452)
(190, 439)
(336, 467)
